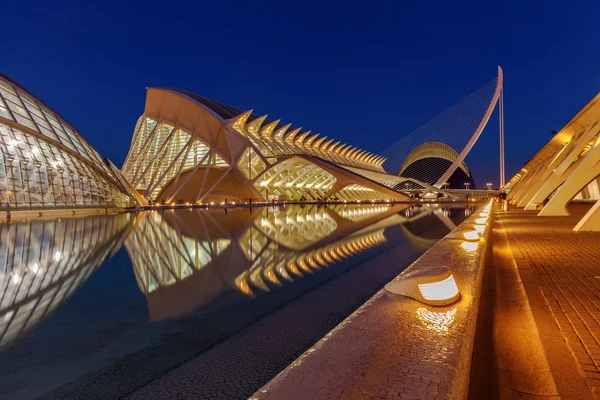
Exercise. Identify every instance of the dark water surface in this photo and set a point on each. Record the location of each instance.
(103, 307)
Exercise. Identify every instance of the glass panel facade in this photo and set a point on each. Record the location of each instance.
(296, 179)
(159, 153)
(18, 106)
(251, 164)
(35, 175)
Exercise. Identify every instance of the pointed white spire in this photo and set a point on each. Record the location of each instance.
(239, 121)
(254, 126)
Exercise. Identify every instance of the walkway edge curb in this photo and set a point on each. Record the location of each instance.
(393, 346)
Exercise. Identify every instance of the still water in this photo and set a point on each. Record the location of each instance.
(105, 307)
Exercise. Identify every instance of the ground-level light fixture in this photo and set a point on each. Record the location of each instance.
(469, 246)
(481, 221)
(471, 236)
(433, 286)
(479, 228)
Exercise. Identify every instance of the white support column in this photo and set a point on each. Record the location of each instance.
(564, 169)
(590, 221)
(587, 170)
(501, 112)
(543, 172)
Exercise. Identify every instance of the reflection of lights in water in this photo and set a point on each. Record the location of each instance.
(438, 321)
(311, 261)
(441, 290)
(8, 315)
(294, 269)
(243, 286)
(446, 212)
(468, 212)
(356, 214)
(469, 246)
(271, 277)
(281, 271)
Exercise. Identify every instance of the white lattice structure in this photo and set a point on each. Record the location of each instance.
(189, 149)
(45, 163)
(567, 168)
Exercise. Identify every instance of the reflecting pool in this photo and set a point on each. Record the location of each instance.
(105, 306)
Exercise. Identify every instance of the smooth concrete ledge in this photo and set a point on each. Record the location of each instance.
(19, 215)
(393, 346)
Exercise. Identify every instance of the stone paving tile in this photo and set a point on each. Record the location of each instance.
(566, 266)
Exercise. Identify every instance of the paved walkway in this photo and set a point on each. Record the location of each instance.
(565, 266)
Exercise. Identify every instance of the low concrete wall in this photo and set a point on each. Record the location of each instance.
(395, 347)
(17, 215)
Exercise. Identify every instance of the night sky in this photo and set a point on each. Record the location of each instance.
(367, 74)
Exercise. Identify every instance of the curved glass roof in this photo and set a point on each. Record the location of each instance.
(19, 105)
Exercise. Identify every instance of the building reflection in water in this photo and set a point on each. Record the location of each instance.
(184, 259)
(42, 263)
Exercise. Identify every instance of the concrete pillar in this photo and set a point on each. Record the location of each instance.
(591, 220)
(565, 167)
(587, 170)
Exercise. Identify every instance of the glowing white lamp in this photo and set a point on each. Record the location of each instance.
(480, 221)
(479, 228)
(471, 235)
(469, 246)
(434, 286)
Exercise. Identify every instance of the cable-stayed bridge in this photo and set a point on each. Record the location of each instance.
(435, 152)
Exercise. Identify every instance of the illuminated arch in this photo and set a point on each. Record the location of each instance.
(432, 150)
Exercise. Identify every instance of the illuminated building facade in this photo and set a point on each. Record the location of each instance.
(187, 148)
(45, 163)
(567, 168)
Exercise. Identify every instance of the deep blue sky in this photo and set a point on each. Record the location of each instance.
(367, 74)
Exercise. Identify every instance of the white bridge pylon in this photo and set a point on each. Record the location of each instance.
(459, 127)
